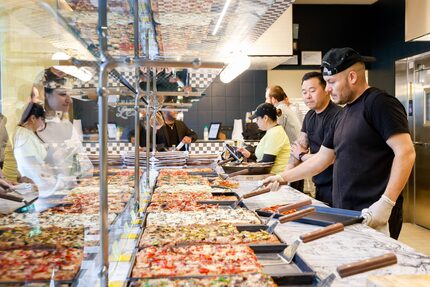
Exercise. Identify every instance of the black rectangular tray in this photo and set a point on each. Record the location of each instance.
(323, 216)
(221, 202)
(250, 227)
(298, 272)
(145, 215)
(72, 282)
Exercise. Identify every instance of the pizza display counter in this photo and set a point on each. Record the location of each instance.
(189, 230)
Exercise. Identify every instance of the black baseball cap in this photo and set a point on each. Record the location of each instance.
(339, 59)
(265, 109)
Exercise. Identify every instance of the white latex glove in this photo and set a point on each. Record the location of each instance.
(273, 181)
(377, 215)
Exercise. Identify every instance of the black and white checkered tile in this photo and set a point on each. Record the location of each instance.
(118, 148)
(114, 148)
(202, 78)
(271, 15)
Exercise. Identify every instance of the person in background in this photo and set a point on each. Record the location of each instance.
(173, 132)
(316, 126)
(3, 139)
(30, 152)
(276, 96)
(64, 146)
(7, 159)
(274, 146)
(369, 143)
(159, 122)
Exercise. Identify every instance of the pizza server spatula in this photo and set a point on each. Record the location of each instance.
(359, 267)
(290, 251)
(251, 194)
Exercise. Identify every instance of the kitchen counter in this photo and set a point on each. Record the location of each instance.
(355, 243)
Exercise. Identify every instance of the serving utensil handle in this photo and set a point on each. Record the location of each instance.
(297, 215)
(257, 192)
(366, 265)
(294, 205)
(322, 232)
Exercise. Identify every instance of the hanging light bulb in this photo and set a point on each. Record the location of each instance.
(239, 64)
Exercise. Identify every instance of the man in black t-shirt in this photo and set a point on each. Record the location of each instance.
(316, 126)
(174, 132)
(369, 142)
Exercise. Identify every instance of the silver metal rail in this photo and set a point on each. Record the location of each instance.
(136, 106)
(103, 119)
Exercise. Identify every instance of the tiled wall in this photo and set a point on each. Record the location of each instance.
(226, 102)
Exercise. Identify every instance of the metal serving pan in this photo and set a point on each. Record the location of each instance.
(284, 274)
(251, 228)
(252, 168)
(143, 224)
(324, 216)
(71, 282)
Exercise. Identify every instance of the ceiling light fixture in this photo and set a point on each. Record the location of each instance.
(240, 64)
(224, 10)
(81, 73)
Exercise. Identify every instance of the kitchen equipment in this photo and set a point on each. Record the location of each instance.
(359, 267)
(291, 217)
(251, 194)
(253, 168)
(323, 216)
(221, 162)
(233, 174)
(295, 205)
(290, 251)
(234, 153)
(180, 145)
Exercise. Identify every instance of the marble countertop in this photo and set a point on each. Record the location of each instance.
(356, 242)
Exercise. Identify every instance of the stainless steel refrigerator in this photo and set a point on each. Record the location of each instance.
(413, 90)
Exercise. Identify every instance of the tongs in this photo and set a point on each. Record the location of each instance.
(7, 195)
(233, 174)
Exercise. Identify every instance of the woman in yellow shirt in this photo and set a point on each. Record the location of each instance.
(274, 146)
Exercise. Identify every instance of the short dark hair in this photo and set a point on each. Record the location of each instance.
(32, 109)
(52, 81)
(317, 75)
(277, 92)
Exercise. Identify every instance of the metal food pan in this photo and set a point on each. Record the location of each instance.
(71, 282)
(296, 273)
(250, 227)
(323, 216)
(281, 281)
(143, 224)
(204, 174)
(221, 202)
(284, 274)
(253, 169)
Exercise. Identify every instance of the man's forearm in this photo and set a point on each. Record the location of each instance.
(316, 164)
(400, 171)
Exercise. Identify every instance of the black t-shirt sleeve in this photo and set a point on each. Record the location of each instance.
(388, 116)
(328, 141)
(268, 158)
(305, 120)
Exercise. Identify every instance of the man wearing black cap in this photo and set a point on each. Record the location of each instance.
(369, 142)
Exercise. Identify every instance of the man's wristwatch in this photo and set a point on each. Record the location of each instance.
(301, 155)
